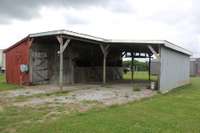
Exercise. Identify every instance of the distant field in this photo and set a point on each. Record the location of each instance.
(4, 85)
(142, 75)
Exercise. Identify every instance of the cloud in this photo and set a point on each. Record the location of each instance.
(176, 21)
(28, 9)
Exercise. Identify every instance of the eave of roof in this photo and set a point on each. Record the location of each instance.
(102, 40)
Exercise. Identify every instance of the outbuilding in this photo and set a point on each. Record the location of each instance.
(66, 57)
(194, 66)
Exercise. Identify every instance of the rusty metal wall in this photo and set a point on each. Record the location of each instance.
(14, 57)
(174, 71)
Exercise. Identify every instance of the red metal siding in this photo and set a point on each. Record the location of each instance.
(14, 57)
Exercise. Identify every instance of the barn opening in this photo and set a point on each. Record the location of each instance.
(83, 61)
(65, 57)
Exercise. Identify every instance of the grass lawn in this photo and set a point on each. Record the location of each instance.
(4, 85)
(175, 112)
(139, 75)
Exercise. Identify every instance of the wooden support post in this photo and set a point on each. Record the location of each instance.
(71, 68)
(30, 41)
(149, 67)
(132, 61)
(105, 53)
(104, 69)
(62, 48)
(72, 74)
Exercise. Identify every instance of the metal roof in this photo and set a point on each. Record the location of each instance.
(102, 40)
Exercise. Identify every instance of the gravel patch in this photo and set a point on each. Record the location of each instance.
(108, 95)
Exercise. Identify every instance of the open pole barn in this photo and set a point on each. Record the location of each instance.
(64, 57)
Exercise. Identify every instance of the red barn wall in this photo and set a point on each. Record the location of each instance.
(14, 57)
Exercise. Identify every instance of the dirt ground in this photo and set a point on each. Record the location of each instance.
(49, 94)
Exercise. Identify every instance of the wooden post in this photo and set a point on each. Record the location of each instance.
(62, 48)
(132, 60)
(61, 69)
(104, 69)
(105, 53)
(30, 42)
(149, 67)
(71, 68)
(72, 73)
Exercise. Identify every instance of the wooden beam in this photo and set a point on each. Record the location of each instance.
(71, 68)
(123, 54)
(65, 45)
(149, 67)
(153, 51)
(60, 40)
(30, 42)
(104, 49)
(61, 68)
(105, 53)
(132, 60)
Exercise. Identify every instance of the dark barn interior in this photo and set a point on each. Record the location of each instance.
(84, 60)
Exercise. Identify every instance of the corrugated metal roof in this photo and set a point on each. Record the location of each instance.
(66, 32)
(102, 40)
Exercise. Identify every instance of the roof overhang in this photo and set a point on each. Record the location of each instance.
(109, 41)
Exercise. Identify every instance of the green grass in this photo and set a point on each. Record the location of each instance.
(175, 112)
(4, 86)
(140, 75)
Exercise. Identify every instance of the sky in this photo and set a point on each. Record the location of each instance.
(177, 21)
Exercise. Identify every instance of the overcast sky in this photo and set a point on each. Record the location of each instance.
(177, 21)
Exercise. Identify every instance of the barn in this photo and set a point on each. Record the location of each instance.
(194, 66)
(65, 57)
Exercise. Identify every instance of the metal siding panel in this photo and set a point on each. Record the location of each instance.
(14, 57)
(174, 69)
(193, 68)
(155, 68)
